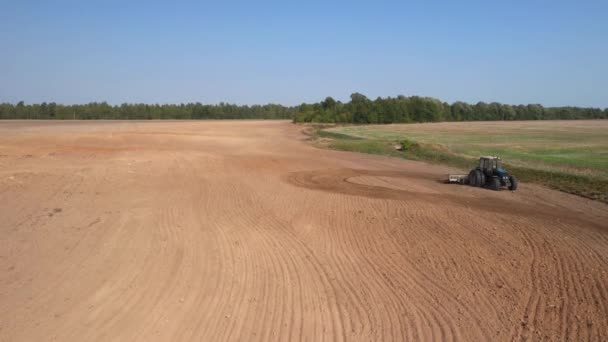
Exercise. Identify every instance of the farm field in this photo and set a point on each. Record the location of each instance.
(579, 147)
(573, 148)
(244, 231)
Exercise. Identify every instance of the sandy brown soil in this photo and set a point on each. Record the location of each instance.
(132, 231)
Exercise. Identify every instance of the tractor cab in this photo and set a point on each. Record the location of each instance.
(492, 166)
(490, 163)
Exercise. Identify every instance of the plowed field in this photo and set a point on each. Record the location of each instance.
(242, 231)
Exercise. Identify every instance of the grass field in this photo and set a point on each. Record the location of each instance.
(568, 155)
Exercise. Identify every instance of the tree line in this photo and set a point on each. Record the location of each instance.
(402, 109)
(105, 111)
(359, 110)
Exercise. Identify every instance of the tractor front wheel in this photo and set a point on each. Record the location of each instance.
(513, 182)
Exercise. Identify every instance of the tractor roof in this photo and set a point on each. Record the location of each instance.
(489, 157)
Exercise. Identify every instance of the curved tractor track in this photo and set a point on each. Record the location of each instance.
(232, 231)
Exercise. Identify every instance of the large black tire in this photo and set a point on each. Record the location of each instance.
(495, 184)
(513, 182)
(473, 178)
(481, 179)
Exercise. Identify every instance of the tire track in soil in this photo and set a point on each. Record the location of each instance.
(545, 301)
(433, 317)
(534, 311)
(337, 180)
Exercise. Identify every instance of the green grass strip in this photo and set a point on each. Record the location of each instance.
(584, 186)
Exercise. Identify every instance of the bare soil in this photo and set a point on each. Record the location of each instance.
(143, 231)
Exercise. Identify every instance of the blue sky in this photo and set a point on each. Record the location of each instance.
(549, 52)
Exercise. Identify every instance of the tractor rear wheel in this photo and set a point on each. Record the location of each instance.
(473, 178)
(495, 184)
(513, 182)
(480, 177)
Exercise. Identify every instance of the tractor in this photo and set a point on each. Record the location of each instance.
(489, 174)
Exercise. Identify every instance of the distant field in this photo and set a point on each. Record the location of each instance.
(577, 150)
(572, 146)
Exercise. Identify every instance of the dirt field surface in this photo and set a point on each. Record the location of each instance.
(242, 231)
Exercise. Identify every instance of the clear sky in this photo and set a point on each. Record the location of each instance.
(549, 52)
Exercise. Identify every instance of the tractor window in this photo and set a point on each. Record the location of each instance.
(489, 164)
(485, 164)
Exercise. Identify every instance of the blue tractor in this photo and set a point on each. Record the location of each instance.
(490, 174)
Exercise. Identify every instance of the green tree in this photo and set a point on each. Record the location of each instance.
(360, 107)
